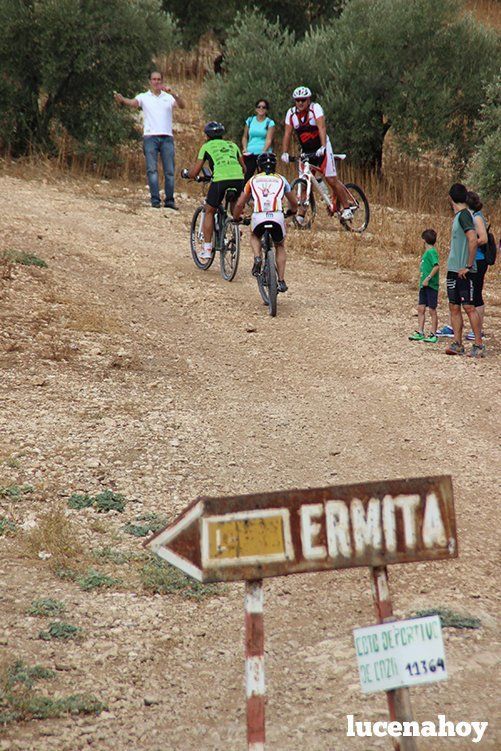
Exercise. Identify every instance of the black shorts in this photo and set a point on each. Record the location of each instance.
(429, 297)
(276, 231)
(459, 290)
(215, 194)
(478, 283)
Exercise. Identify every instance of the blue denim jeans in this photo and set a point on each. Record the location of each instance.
(152, 147)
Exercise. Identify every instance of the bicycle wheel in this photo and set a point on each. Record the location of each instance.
(230, 249)
(262, 286)
(299, 187)
(270, 271)
(197, 240)
(267, 279)
(262, 283)
(361, 214)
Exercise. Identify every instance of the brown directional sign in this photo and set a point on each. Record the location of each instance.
(296, 531)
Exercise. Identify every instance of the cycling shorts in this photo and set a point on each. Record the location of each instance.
(325, 163)
(261, 220)
(215, 194)
(460, 289)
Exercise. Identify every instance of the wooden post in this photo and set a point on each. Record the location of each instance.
(255, 687)
(399, 700)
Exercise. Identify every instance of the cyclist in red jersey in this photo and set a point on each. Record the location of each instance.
(307, 120)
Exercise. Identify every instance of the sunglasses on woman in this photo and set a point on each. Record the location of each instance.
(261, 107)
(301, 100)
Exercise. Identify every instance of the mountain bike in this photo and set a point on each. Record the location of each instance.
(310, 181)
(267, 279)
(226, 238)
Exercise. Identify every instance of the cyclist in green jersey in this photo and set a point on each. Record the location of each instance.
(227, 166)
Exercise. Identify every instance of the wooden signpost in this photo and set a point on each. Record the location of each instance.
(251, 537)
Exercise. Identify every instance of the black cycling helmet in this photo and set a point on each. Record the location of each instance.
(214, 129)
(266, 162)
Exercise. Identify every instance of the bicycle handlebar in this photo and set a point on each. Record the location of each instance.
(198, 178)
(307, 156)
(302, 157)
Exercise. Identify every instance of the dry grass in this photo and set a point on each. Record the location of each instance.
(55, 533)
(487, 11)
(58, 349)
(6, 267)
(92, 321)
(189, 65)
(389, 251)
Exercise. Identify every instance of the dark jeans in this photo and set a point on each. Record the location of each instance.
(152, 147)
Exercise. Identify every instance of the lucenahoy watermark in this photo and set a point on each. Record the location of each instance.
(427, 729)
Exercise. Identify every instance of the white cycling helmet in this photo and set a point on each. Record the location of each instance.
(301, 92)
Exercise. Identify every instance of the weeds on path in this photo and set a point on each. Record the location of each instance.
(19, 700)
(450, 618)
(46, 606)
(54, 534)
(158, 577)
(102, 502)
(60, 630)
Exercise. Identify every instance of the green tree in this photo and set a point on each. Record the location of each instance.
(419, 68)
(260, 62)
(197, 18)
(299, 16)
(61, 61)
(485, 168)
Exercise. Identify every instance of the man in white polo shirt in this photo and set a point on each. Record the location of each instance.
(157, 104)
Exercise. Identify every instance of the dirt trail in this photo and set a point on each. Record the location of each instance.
(124, 366)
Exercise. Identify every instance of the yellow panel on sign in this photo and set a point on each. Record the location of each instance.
(246, 538)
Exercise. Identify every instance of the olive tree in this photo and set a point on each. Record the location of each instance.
(61, 60)
(420, 69)
(485, 168)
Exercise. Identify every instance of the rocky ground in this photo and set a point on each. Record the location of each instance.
(124, 368)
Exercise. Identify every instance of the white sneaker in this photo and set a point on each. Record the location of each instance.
(347, 215)
(204, 255)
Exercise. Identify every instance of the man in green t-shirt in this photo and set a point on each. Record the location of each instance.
(461, 268)
(227, 166)
(428, 288)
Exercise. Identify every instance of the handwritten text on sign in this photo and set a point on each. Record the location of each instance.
(401, 653)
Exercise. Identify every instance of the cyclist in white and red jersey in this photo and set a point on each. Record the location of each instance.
(267, 189)
(307, 120)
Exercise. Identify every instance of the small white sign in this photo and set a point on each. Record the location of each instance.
(400, 653)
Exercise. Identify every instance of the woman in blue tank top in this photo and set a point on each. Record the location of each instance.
(258, 136)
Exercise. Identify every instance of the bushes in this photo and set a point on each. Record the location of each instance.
(216, 16)
(260, 62)
(61, 62)
(485, 171)
(419, 68)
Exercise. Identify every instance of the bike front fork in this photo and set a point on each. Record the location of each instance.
(330, 201)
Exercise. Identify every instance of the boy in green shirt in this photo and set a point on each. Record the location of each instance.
(428, 288)
(227, 165)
